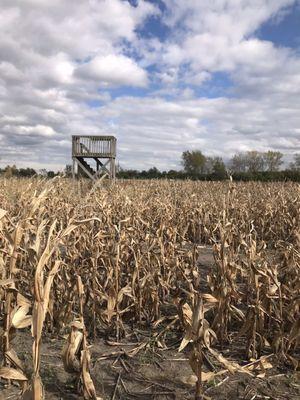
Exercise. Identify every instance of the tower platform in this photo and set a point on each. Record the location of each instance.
(95, 156)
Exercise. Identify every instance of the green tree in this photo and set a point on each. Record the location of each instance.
(50, 174)
(153, 173)
(193, 162)
(219, 169)
(26, 172)
(215, 166)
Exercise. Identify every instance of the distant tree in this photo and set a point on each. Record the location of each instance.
(219, 169)
(51, 174)
(272, 160)
(193, 162)
(153, 173)
(254, 161)
(295, 165)
(26, 172)
(173, 174)
(127, 173)
(238, 163)
(215, 166)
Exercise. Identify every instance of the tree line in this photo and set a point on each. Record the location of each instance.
(195, 162)
(243, 166)
(11, 170)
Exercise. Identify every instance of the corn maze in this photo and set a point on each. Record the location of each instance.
(99, 265)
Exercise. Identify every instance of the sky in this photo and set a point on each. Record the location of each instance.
(163, 76)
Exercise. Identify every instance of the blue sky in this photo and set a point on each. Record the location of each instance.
(285, 31)
(163, 76)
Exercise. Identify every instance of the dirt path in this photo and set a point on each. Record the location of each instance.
(148, 375)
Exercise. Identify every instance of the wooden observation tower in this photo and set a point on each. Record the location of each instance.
(94, 156)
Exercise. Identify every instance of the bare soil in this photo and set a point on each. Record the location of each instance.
(151, 373)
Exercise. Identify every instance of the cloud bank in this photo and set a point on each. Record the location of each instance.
(163, 76)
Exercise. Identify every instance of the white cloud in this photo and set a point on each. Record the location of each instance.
(220, 126)
(113, 70)
(231, 18)
(60, 66)
(213, 36)
(37, 130)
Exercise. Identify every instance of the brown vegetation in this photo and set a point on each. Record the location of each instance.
(99, 263)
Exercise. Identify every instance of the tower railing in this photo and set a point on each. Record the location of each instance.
(93, 146)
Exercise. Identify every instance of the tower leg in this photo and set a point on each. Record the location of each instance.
(113, 164)
(112, 169)
(73, 169)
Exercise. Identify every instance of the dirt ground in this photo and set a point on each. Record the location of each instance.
(147, 375)
(151, 373)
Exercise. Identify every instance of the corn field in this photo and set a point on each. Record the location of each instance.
(99, 263)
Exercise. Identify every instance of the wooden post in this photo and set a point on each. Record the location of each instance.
(73, 169)
(113, 169)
